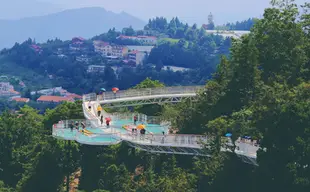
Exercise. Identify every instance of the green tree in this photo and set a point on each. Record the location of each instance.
(149, 83)
(129, 31)
(151, 110)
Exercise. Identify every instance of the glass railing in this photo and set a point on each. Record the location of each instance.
(63, 130)
(143, 92)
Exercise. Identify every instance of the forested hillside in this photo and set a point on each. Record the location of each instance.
(262, 90)
(189, 47)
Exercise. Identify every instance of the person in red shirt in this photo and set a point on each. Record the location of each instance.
(107, 122)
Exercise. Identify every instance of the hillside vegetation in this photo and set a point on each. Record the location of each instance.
(196, 51)
(262, 90)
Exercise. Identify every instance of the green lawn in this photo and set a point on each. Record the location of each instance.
(162, 40)
(171, 40)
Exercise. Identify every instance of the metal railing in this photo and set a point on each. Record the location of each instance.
(98, 139)
(171, 140)
(174, 140)
(65, 124)
(129, 116)
(142, 118)
(177, 90)
(61, 130)
(90, 97)
(154, 120)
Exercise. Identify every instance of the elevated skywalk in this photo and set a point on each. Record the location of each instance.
(134, 97)
(151, 142)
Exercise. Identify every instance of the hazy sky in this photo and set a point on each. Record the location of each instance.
(188, 10)
(191, 11)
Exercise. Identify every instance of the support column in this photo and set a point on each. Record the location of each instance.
(68, 163)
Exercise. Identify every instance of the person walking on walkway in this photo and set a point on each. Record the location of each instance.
(83, 126)
(77, 125)
(135, 119)
(142, 134)
(71, 126)
(107, 122)
(99, 109)
(101, 119)
(89, 105)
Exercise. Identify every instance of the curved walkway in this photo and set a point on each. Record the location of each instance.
(133, 97)
(157, 143)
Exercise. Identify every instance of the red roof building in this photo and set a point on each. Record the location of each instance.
(24, 100)
(74, 96)
(36, 48)
(78, 40)
(54, 99)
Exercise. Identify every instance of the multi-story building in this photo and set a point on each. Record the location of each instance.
(95, 69)
(50, 91)
(136, 56)
(77, 43)
(225, 33)
(6, 89)
(107, 49)
(36, 48)
(146, 49)
(6, 86)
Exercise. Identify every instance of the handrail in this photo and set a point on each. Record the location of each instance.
(129, 116)
(143, 92)
(173, 140)
(114, 137)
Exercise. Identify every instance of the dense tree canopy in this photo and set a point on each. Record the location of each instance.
(262, 90)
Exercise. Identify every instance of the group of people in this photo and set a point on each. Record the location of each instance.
(99, 111)
(76, 125)
(134, 132)
(107, 121)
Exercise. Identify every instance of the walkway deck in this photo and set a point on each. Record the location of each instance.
(134, 97)
(157, 143)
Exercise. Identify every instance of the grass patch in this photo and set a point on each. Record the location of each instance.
(171, 40)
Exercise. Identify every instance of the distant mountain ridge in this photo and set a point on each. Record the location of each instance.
(85, 22)
(17, 9)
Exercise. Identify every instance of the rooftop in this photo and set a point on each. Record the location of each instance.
(74, 96)
(78, 38)
(25, 100)
(55, 99)
(141, 48)
(135, 37)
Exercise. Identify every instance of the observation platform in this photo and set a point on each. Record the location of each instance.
(157, 138)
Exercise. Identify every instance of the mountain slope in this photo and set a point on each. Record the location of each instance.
(85, 22)
(16, 9)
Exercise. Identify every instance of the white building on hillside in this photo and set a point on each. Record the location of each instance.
(234, 34)
(107, 49)
(150, 40)
(136, 56)
(50, 91)
(95, 69)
